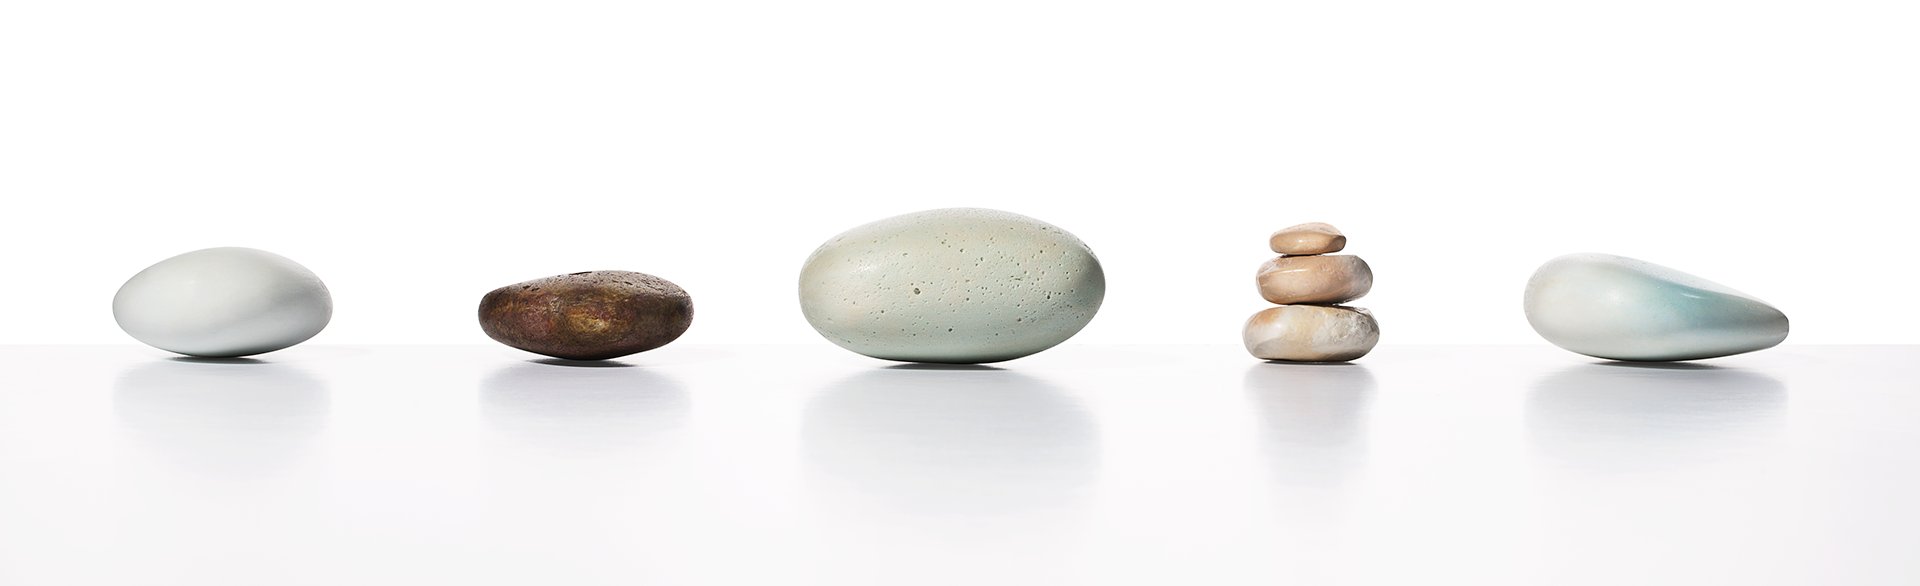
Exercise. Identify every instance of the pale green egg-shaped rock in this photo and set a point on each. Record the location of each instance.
(1620, 308)
(958, 285)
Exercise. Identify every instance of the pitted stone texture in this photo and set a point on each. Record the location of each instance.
(1621, 308)
(1311, 333)
(1308, 238)
(593, 315)
(957, 285)
(1326, 280)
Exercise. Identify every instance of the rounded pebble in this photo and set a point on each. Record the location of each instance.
(1311, 333)
(1308, 238)
(223, 302)
(1289, 280)
(958, 285)
(592, 315)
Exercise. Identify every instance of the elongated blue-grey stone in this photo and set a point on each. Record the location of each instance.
(1628, 309)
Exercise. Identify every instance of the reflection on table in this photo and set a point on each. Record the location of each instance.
(923, 459)
(230, 417)
(1313, 420)
(1623, 416)
(582, 408)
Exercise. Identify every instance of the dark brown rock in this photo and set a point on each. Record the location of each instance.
(593, 315)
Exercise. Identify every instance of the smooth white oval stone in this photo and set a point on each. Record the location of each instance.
(958, 285)
(223, 302)
(1627, 309)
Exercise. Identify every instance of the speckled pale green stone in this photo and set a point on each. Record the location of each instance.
(958, 285)
(1626, 309)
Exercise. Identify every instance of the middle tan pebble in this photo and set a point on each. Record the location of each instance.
(1290, 280)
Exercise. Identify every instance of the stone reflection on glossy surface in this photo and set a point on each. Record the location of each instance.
(1627, 309)
(1313, 428)
(579, 409)
(1313, 419)
(231, 416)
(953, 440)
(944, 466)
(1629, 416)
(1149, 465)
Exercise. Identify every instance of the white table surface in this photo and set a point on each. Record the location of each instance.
(1084, 464)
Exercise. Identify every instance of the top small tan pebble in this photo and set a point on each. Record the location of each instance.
(1308, 238)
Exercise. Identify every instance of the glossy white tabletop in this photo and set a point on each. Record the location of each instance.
(1083, 464)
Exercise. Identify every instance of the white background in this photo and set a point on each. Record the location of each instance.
(417, 154)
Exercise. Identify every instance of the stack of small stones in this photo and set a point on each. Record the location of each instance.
(1308, 284)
